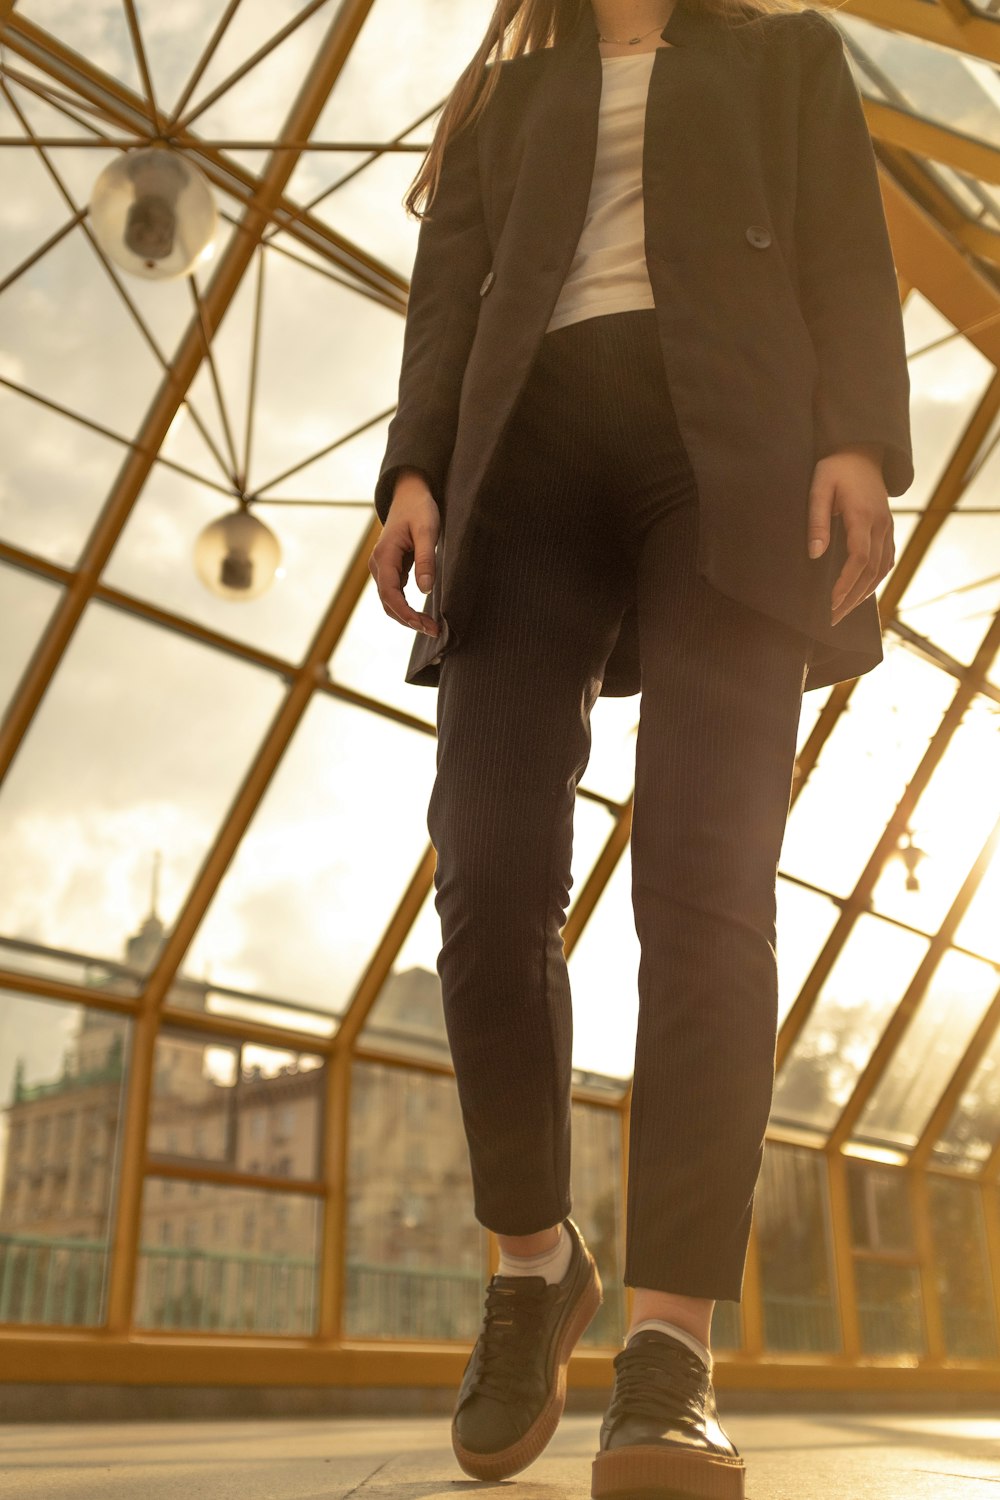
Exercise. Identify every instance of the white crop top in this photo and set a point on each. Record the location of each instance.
(608, 272)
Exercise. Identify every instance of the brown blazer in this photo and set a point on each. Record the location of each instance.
(775, 291)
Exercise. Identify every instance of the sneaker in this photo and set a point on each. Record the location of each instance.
(513, 1390)
(661, 1435)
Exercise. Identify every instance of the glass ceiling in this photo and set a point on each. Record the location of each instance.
(219, 770)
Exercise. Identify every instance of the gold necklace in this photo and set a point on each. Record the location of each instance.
(633, 40)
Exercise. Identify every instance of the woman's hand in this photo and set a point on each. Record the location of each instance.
(850, 483)
(409, 536)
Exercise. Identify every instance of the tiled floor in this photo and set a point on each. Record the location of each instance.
(835, 1456)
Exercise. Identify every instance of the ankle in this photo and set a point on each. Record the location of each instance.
(693, 1314)
(530, 1244)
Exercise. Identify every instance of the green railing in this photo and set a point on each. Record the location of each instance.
(802, 1325)
(225, 1292)
(61, 1282)
(45, 1280)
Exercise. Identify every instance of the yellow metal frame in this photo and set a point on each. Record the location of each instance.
(933, 247)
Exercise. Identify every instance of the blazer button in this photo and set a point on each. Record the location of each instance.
(758, 236)
(487, 283)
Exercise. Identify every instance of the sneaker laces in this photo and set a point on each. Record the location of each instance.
(511, 1319)
(669, 1385)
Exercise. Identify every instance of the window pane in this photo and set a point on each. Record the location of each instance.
(928, 1051)
(247, 1107)
(974, 1128)
(70, 336)
(27, 603)
(964, 1281)
(950, 823)
(323, 862)
(55, 475)
(416, 1255)
(850, 1013)
(804, 922)
(879, 1208)
(955, 592)
(890, 1313)
(134, 754)
(225, 1259)
(604, 980)
(979, 928)
(863, 770)
(154, 559)
(62, 1086)
(792, 1224)
(597, 1208)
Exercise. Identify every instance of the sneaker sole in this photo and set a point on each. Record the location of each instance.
(519, 1455)
(649, 1470)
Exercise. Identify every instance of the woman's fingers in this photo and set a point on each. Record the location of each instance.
(870, 556)
(389, 565)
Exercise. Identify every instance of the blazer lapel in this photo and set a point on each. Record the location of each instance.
(556, 179)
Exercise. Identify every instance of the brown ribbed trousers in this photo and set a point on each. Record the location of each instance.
(591, 500)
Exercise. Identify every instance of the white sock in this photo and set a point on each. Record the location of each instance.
(552, 1264)
(694, 1344)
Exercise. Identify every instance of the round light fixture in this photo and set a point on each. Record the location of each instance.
(153, 214)
(237, 556)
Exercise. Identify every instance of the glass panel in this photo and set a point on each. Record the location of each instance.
(62, 1087)
(604, 981)
(863, 770)
(597, 1208)
(28, 603)
(974, 1128)
(34, 207)
(369, 103)
(879, 1202)
(256, 105)
(804, 922)
(890, 1311)
(949, 824)
(964, 1280)
(29, 957)
(955, 592)
(54, 476)
(87, 354)
(247, 1107)
(416, 1255)
(792, 1225)
(850, 1013)
(947, 383)
(373, 651)
(979, 929)
(614, 723)
(949, 88)
(226, 1259)
(925, 1057)
(326, 857)
(154, 559)
(98, 31)
(408, 1018)
(133, 755)
(175, 40)
(268, 1010)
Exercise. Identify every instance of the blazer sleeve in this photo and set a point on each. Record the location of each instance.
(452, 257)
(847, 277)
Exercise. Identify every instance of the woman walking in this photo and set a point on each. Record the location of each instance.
(652, 403)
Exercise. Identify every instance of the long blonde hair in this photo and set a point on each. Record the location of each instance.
(528, 25)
